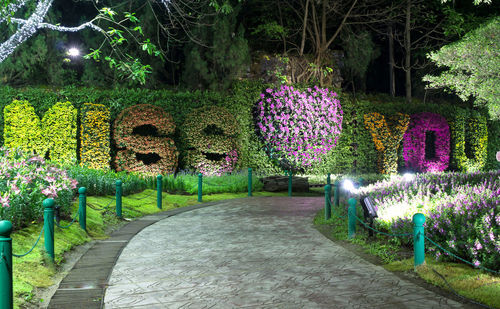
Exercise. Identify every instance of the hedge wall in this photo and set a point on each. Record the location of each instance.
(355, 151)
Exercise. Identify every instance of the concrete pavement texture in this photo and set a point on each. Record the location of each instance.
(260, 252)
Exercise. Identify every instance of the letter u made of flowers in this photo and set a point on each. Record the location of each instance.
(387, 139)
(94, 136)
(414, 143)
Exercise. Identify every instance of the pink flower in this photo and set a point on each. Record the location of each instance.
(4, 200)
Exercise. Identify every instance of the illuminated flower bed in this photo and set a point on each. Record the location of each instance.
(25, 181)
(462, 211)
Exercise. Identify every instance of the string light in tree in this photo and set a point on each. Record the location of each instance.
(28, 27)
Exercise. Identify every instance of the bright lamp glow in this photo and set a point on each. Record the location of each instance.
(408, 176)
(348, 185)
(73, 52)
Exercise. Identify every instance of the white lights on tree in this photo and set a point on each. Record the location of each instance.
(28, 27)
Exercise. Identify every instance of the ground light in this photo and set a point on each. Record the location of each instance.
(408, 176)
(348, 186)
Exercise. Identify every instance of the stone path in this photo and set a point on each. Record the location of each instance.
(253, 253)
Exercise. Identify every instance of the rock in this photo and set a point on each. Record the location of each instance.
(280, 183)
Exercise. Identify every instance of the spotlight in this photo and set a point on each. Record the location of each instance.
(348, 186)
(408, 176)
(73, 52)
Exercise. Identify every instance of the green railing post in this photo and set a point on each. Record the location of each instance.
(249, 181)
(418, 239)
(351, 213)
(119, 198)
(159, 189)
(337, 194)
(5, 265)
(200, 187)
(289, 183)
(328, 181)
(82, 208)
(328, 207)
(48, 226)
(361, 181)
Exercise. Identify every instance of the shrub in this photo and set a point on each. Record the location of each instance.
(56, 133)
(25, 181)
(414, 143)
(159, 154)
(462, 211)
(94, 136)
(210, 136)
(386, 140)
(298, 127)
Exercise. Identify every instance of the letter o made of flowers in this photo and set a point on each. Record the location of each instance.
(131, 144)
(210, 135)
(298, 127)
(414, 142)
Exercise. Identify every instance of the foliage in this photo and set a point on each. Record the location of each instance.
(472, 68)
(414, 143)
(133, 143)
(25, 181)
(461, 211)
(471, 129)
(221, 59)
(56, 133)
(387, 140)
(103, 182)
(210, 134)
(297, 127)
(94, 136)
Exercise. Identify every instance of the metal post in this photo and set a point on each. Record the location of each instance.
(249, 181)
(290, 183)
(48, 226)
(82, 208)
(351, 213)
(328, 208)
(118, 198)
(337, 193)
(328, 181)
(418, 239)
(159, 189)
(5, 265)
(200, 187)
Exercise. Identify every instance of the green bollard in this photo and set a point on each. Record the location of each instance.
(328, 181)
(159, 189)
(82, 208)
(249, 181)
(328, 207)
(337, 193)
(418, 239)
(290, 184)
(361, 182)
(48, 226)
(6, 295)
(200, 187)
(119, 198)
(351, 213)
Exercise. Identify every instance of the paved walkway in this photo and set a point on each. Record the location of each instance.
(256, 253)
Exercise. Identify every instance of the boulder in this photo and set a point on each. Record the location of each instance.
(280, 183)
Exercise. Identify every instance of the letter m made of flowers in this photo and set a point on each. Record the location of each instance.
(55, 133)
(387, 139)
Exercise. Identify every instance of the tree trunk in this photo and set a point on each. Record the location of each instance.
(392, 80)
(407, 65)
(304, 25)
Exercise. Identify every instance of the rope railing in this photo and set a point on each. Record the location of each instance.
(32, 248)
(70, 224)
(380, 232)
(459, 258)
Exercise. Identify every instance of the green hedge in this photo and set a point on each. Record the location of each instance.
(354, 153)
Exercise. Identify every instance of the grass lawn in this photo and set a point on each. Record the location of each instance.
(462, 279)
(35, 271)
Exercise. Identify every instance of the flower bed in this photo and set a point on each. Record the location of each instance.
(25, 181)
(462, 211)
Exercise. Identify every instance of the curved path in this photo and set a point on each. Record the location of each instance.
(259, 253)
